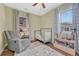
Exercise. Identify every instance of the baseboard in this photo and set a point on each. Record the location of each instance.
(1, 51)
(5, 45)
(3, 48)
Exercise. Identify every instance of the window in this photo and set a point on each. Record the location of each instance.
(66, 16)
(65, 36)
(66, 20)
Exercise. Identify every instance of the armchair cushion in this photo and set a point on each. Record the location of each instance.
(15, 43)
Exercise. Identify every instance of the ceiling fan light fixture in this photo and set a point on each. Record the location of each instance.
(34, 4)
(43, 4)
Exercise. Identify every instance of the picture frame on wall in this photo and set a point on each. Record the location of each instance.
(23, 27)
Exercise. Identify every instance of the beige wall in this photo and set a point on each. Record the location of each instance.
(34, 23)
(45, 21)
(6, 23)
(2, 24)
(10, 21)
(48, 19)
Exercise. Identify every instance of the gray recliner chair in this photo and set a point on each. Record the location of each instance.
(15, 43)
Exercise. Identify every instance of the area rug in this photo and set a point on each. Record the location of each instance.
(39, 49)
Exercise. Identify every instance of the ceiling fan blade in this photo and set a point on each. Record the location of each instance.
(34, 4)
(43, 5)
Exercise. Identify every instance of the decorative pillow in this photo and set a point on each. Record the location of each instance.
(66, 35)
(70, 35)
(63, 35)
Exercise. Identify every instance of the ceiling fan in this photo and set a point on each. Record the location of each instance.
(43, 5)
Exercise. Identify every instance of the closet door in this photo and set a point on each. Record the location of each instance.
(76, 25)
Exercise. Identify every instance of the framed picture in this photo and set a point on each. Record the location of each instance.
(23, 27)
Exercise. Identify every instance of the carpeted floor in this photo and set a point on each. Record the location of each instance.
(39, 49)
(8, 52)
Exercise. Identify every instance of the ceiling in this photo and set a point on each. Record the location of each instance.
(37, 10)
